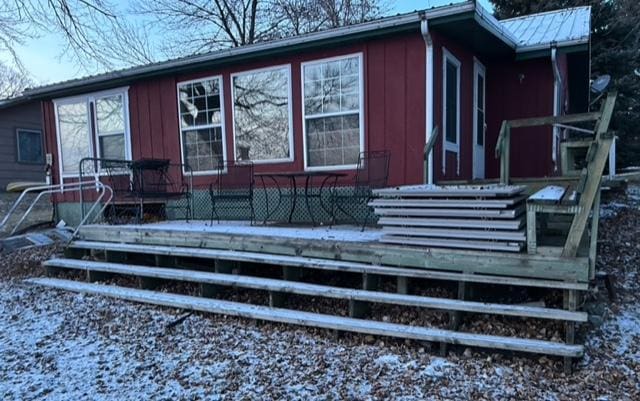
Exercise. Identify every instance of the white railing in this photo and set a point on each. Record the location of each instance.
(102, 189)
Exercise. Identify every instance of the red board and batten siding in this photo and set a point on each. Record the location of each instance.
(394, 108)
(520, 89)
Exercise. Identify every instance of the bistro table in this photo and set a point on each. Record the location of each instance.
(329, 181)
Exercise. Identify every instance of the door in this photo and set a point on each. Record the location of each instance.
(479, 120)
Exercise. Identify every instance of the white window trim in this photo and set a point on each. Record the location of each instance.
(478, 70)
(33, 131)
(291, 157)
(89, 98)
(222, 124)
(360, 111)
(447, 145)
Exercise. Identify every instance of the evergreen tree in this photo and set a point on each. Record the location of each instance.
(615, 26)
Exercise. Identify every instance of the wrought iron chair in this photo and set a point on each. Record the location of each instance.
(372, 172)
(232, 189)
(158, 180)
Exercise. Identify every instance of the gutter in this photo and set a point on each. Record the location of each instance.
(557, 103)
(426, 36)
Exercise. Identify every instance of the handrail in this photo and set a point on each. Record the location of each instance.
(503, 144)
(52, 189)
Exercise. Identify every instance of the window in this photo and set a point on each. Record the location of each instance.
(93, 125)
(262, 115)
(333, 112)
(74, 135)
(451, 106)
(201, 124)
(110, 127)
(29, 146)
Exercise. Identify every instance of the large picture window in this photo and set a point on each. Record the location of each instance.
(262, 115)
(333, 112)
(201, 123)
(93, 125)
(451, 105)
(74, 134)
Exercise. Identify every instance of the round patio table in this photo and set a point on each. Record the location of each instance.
(329, 181)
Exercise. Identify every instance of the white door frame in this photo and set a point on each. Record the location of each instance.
(479, 162)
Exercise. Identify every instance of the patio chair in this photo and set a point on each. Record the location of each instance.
(159, 182)
(232, 189)
(372, 172)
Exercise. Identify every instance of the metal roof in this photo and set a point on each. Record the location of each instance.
(563, 27)
(519, 34)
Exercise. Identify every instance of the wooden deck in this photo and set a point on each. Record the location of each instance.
(167, 251)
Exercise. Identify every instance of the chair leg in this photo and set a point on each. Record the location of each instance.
(366, 216)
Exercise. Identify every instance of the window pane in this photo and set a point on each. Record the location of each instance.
(110, 114)
(112, 147)
(30, 146)
(480, 128)
(451, 106)
(332, 112)
(73, 120)
(261, 115)
(333, 141)
(199, 103)
(203, 148)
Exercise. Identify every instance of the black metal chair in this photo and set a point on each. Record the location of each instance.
(372, 172)
(160, 181)
(233, 188)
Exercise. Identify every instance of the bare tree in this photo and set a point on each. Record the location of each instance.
(12, 82)
(196, 26)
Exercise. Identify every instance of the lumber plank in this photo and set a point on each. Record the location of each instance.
(457, 233)
(453, 213)
(447, 203)
(327, 265)
(450, 243)
(548, 194)
(314, 319)
(451, 191)
(450, 223)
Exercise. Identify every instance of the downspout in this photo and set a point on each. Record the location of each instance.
(426, 35)
(557, 103)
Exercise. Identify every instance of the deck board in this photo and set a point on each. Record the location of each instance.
(314, 319)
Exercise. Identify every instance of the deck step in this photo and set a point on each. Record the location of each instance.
(322, 264)
(313, 319)
(260, 283)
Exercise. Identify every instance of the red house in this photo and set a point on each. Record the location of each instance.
(317, 100)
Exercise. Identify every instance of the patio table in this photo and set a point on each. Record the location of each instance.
(329, 181)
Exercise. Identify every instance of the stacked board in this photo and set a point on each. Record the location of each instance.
(489, 217)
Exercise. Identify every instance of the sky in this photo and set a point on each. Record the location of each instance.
(44, 59)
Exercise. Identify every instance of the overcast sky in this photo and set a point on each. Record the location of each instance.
(43, 59)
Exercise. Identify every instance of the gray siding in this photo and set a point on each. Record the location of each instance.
(27, 116)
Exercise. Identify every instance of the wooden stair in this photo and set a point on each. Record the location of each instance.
(313, 319)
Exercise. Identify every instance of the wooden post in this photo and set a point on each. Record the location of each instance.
(570, 301)
(455, 317)
(147, 283)
(403, 285)
(593, 240)
(212, 290)
(359, 309)
(111, 257)
(532, 241)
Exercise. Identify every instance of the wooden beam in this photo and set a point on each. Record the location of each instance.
(367, 294)
(551, 120)
(314, 319)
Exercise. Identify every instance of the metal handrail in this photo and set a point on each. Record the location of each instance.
(53, 189)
